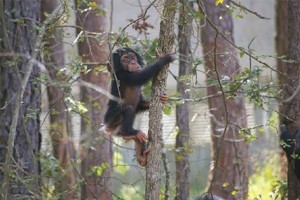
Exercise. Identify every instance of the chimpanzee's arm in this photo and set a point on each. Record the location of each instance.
(141, 77)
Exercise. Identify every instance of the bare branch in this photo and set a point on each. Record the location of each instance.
(247, 9)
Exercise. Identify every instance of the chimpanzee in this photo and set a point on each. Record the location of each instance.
(131, 75)
(291, 145)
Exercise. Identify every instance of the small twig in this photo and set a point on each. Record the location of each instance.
(293, 95)
(250, 60)
(231, 43)
(134, 21)
(101, 91)
(248, 10)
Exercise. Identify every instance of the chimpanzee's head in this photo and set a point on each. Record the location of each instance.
(127, 59)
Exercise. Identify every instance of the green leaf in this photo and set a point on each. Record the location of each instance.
(93, 5)
(76, 106)
(98, 170)
(219, 2)
(167, 110)
(242, 52)
(120, 166)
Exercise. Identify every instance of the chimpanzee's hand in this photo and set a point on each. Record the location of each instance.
(164, 98)
(141, 137)
(170, 55)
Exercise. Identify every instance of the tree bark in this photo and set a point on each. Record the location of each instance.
(281, 48)
(20, 136)
(60, 121)
(288, 43)
(182, 111)
(165, 44)
(96, 147)
(229, 174)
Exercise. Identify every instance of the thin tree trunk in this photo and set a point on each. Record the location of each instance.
(96, 149)
(230, 153)
(19, 100)
(61, 136)
(288, 43)
(182, 110)
(166, 41)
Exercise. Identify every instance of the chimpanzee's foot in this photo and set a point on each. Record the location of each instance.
(142, 160)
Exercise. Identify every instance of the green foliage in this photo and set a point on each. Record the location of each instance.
(130, 192)
(85, 6)
(264, 183)
(219, 2)
(149, 46)
(49, 172)
(248, 134)
(167, 109)
(75, 106)
(98, 170)
(181, 151)
(32, 113)
(248, 83)
(198, 15)
(120, 166)
(76, 66)
(49, 165)
(280, 188)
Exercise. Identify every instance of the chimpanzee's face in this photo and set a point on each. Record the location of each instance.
(129, 62)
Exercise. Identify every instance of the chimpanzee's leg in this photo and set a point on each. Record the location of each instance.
(129, 133)
(112, 121)
(128, 113)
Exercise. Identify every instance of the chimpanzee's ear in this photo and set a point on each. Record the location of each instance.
(116, 61)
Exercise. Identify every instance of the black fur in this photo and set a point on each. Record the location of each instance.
(123, 114)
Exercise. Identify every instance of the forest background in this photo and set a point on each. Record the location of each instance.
(74, 162)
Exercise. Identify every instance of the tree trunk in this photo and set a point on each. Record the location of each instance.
(63, 146)
(288, 43)
(182, 110)
(281, 48)
(165, 43)
(96, 149)
(19, 104)
(230, 153)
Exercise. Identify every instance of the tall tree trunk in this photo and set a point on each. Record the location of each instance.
(20, 136)
(61, 136)
(288, 43)
(182, 110)
(230, 153)
(165, 43)
(96, 152)
(281, 48)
